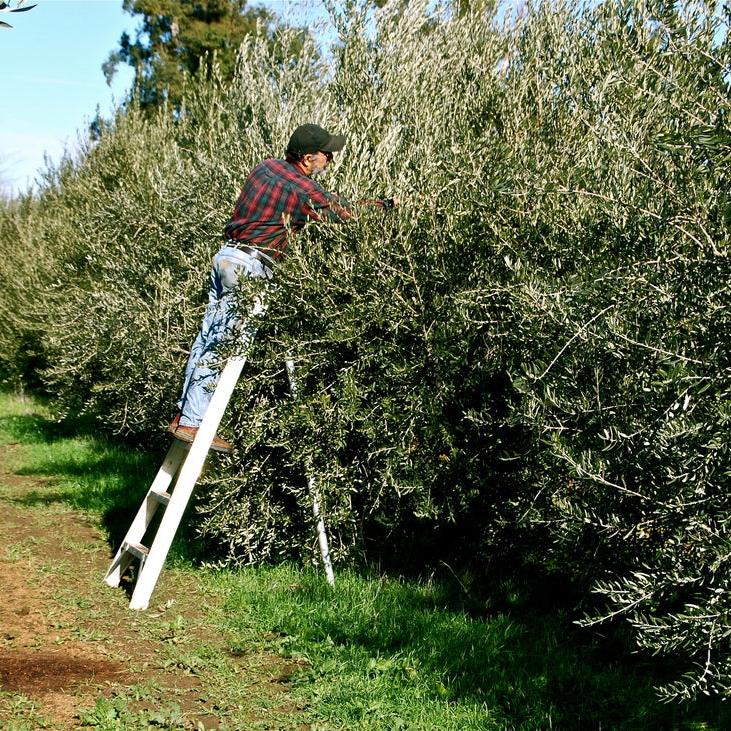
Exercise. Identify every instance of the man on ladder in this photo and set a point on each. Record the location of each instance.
(278, 196)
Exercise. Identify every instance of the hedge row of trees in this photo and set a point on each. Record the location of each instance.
(526, 363)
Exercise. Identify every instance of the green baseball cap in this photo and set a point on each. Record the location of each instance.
(309, 139)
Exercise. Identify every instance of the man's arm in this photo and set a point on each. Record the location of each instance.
(322, 205)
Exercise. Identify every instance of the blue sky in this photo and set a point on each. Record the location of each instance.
(51, 79)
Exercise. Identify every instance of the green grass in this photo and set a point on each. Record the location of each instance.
(20, 714)
(84, 470)
(87, 472)
(374, 652)
(381, 653)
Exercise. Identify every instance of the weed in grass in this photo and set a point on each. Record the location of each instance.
(57, 568)
(89, 635)
(115, 715)
(77, 546)
(173, 631)
(190, 663)
(19, 713)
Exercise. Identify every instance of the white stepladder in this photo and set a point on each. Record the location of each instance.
(173, 486)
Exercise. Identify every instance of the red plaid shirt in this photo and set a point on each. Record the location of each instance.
(276, 197)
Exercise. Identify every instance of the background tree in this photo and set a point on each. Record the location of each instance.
(4, 180)
(179, 38)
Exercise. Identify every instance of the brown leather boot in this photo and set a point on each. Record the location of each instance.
(175, 423)
(188, 434)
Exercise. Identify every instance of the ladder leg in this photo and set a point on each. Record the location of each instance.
(120, 564)
(164, 477)
(312, 487)
(321, 534)
(189, 473)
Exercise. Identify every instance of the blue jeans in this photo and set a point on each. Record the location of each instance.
(219, 323)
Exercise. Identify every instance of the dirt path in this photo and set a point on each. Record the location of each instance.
(72, 655)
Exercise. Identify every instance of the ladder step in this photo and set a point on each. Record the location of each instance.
(162, 497)
(136, 549)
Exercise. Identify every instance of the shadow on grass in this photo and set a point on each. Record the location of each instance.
(90, 472)
(377, 641)
(35, 428)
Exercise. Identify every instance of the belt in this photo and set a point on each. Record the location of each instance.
(253, 252)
